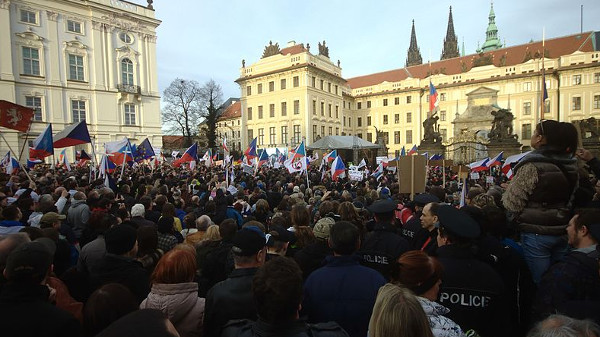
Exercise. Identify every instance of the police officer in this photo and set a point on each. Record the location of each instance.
(471, 289)
(383, 245)
(413, 226)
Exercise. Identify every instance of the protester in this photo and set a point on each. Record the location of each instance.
(342, 283)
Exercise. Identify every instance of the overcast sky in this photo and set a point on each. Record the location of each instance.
(204, 39)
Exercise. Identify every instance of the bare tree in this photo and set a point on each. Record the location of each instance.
(212, 98)
(183, 109)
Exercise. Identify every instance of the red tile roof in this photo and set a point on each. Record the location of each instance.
(232, 111)
(508, 56)
(295, 49)
(172, 142)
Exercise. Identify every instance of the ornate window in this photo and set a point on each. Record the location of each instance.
(596, 101)
(527, 108)
(126, 71)
(78, 110)
(261, 136)
(576, 79)
(35, 103)
(272, 136)
(126, 37)
(76, 67)
(28, 16)
(74, 26)
(526, 131)
(576, 103)
(129, 114)
(396, 137)
(31, 61)
(284, 135)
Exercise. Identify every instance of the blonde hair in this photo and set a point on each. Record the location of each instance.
(397, 312)
(212, 234)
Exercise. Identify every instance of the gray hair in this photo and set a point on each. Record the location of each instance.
(9, 242)
(203, 222)
(564, 326)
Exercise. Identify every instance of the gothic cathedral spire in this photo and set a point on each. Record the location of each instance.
(450, 42)
(414, 55)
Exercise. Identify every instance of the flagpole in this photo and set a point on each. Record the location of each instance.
(542, 105)
(25, 141)
(444, 172)
(11, 150)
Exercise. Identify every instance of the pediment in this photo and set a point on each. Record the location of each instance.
(30, 36)
(483, 91)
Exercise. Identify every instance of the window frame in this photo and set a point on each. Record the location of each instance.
(75, 23)
(78, 110)
(35, 104)
(36, 18)
(78, 68)
(129, 117)
(125, 73)
(34, 62)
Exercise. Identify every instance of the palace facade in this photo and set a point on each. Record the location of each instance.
(292, 94)
(73, 60)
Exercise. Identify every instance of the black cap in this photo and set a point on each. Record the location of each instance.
(280, 234)
(457, 222)
(248, 241)
(383, 206)
(425, 198)
(120, 239)
(28, 262)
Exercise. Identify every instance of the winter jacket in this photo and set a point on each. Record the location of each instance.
(342, 283)
(382, 247)
(181, 304)
(25, 311)
(574, 279)
(312, 257)
(260, 328)
(474, 292)
(541, 193)
(230, 299)
(123, 270)
(441, 326)
(78, 216)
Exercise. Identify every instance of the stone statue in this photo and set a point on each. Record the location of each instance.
(150, 4)
(243, 63)
(339, 63)
(323, 50)
(431, 129)
(308, 47)
(502, 127)
(589, 126)
(271, 49)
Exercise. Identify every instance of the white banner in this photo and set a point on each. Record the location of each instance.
(355, 175)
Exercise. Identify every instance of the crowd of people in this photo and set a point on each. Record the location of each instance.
(179, 252)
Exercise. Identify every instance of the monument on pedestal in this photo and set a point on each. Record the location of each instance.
(501, 137)
(589, 130)
(432, 140)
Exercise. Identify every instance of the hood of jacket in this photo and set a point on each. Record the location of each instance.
(78, 203)
(175, 300)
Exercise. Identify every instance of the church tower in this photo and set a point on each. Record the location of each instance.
(450, 42)
(414, 55)
(492, 42)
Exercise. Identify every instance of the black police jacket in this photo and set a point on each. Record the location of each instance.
(260, 328)
(474, 292)
(381, 248)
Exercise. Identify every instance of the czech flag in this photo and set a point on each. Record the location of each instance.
(72, 135)
(208, 158)
(62, 159)
(121, 151)
(263, 158)
(338, 169)
(300, 151)
(330, 156)
(403, 152)
(106, 166)
(191, 154)
(497, 160)
(433, 97)
(225, 148)
(31, 163)
(437, 157)
(510, 162)
(413, 150)
(42, 145)
(479, 165)
(251, 150)
(378, 172)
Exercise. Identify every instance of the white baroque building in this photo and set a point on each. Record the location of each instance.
(71, 60)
